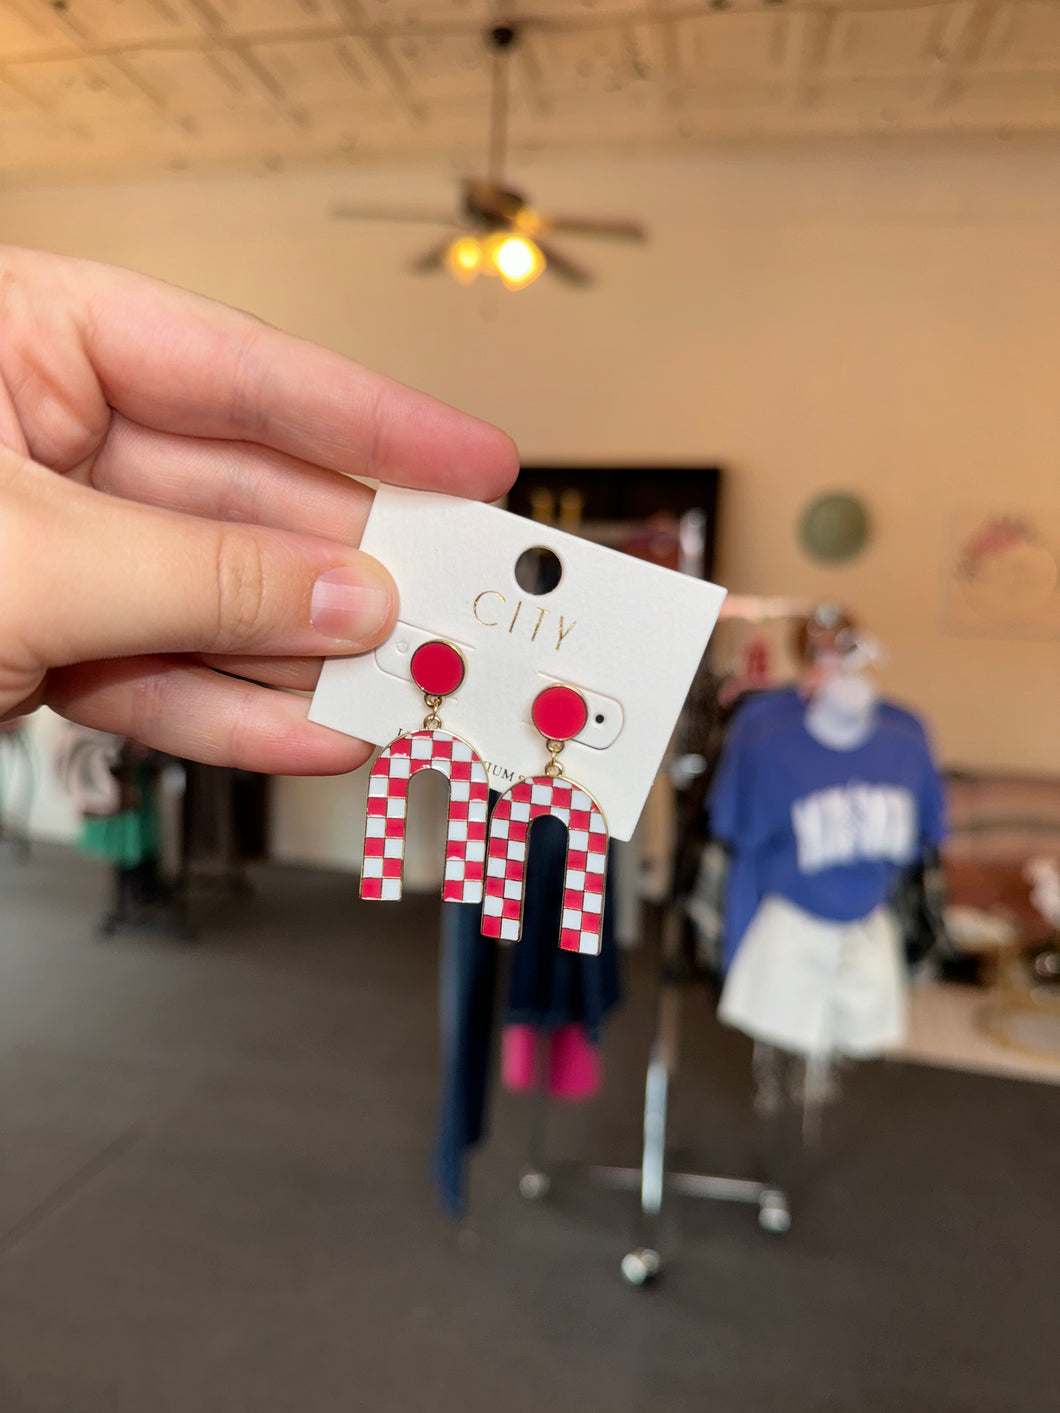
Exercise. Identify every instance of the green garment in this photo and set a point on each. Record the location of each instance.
(130, 836)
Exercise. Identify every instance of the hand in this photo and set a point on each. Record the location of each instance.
(194, 549)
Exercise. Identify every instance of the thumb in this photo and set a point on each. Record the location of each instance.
(94, 576)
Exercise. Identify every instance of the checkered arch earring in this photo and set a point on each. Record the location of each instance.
(437, 669)
(559, 713)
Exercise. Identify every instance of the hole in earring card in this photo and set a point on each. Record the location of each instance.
(538, 570)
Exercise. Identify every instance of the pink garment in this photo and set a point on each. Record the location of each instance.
(565, 1058)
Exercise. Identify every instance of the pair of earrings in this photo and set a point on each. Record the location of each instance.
(485, 858)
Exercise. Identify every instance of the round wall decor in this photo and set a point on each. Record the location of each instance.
(834, 527)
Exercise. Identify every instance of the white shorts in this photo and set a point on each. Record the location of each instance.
(818, 987)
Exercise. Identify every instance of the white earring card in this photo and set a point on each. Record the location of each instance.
(627, 634)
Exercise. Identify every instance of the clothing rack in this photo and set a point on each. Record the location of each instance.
(652, 1179)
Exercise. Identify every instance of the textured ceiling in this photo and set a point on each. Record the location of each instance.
(142, 86)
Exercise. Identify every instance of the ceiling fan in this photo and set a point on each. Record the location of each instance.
(498, 231)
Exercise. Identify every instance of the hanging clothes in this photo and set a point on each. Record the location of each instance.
(548, 990)
(549, 987)
(129, 835)
(468, 1003)
(564, 1062)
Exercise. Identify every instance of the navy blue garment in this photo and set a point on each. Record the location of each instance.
(547, 987)
(468, 1004)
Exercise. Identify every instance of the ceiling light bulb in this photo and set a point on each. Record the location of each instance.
(464, 258)
(516, 259)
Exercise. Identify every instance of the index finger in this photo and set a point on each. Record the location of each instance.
(181, 363)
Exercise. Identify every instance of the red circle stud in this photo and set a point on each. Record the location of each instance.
(437, 668)
(559, 712)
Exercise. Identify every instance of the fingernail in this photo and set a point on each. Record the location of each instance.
(345, 606)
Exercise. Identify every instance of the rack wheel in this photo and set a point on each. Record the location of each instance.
(640, 1267)
(535, 1186)
(774, 1214)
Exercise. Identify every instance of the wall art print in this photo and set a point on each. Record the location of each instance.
(1003, 574)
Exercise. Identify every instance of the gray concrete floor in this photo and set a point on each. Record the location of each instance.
(214, 1197)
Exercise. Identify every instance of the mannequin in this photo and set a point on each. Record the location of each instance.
(824, 795)
(840, 697)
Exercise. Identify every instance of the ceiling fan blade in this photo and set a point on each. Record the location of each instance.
(568, 270)
(345, 212)
(591, 226)
(432, 259)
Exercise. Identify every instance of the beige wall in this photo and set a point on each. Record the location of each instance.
(884, 324)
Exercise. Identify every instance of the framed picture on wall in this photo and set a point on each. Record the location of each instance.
(664, 514)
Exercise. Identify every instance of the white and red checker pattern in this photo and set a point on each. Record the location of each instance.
(586, 864)
(387, 814)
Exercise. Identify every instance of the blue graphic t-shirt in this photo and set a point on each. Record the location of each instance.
(826, 829)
